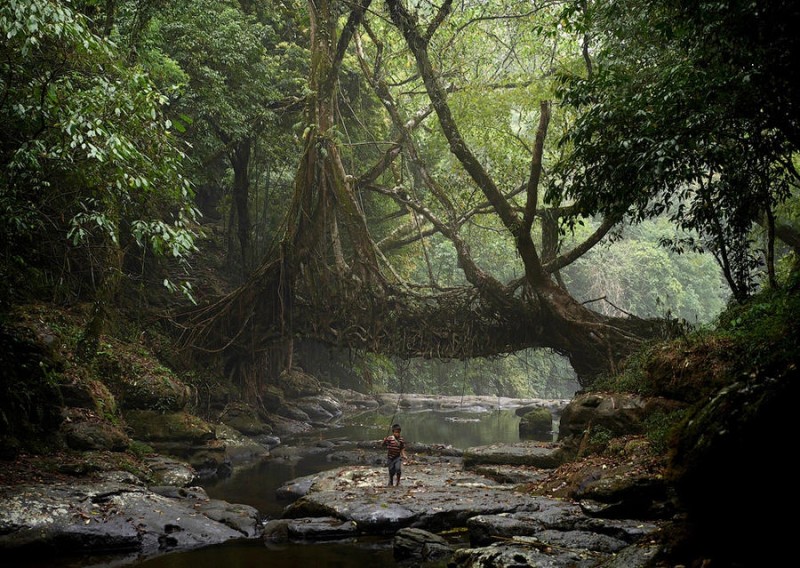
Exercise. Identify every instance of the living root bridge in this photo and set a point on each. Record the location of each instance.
(448, 323)
(266, 314)
(451, 323)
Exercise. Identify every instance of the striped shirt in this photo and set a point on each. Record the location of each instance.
(394, 446)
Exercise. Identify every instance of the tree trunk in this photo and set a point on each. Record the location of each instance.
(240, 161)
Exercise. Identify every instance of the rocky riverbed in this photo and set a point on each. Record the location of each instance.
(508, 504)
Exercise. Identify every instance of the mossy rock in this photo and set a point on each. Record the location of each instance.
(245, 419)
(155, 427)
(29, 397)
(297, 384)
(536, 422)
(89, 394)
(272, 398)
(94, 435)
(138, 380)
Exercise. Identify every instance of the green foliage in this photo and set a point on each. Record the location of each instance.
(677, 98)
(88, 150)
(140, 449)
(633, 274)
(600, 436)
(660, 427)
(632, 378)
(764, 331)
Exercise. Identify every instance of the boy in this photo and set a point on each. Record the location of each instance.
(396, 452)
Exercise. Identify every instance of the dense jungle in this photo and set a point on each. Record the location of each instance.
(208, 205)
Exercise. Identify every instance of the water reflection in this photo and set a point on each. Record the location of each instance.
(458, 429)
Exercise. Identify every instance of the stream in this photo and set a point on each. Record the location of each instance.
(256, 485)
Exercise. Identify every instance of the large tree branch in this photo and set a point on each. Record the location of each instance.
(418, 45)
(353, 21)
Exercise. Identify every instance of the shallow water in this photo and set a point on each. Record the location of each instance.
(255, 485)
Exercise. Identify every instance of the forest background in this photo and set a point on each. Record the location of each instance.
(154, 146)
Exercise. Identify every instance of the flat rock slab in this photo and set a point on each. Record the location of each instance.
(528, 453)
(433, 497)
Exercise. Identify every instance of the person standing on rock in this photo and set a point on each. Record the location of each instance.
(396, 453)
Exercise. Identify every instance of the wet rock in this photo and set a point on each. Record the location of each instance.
(536, 423)
(418, 544)
(510, 474)
(320, 408)
(296, 488)
(523, 553)
(242, 518)
(559, 523)
(239, 448)
(432, 497)
(309, 529)
(244, 418)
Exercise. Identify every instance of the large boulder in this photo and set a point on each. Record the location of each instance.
(87, 433)
(116, 516)
(182, 435)
(592, 419)
(297, 384)
(138, 381)
(420, 545)
(526, 453)
(536, 424)
(244, 418)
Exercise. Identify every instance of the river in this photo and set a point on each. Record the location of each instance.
(256, 485)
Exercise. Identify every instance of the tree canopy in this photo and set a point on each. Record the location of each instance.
(418, 179)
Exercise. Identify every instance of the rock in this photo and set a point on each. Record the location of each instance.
(242, 518)
(88, 394)
(137, 383)
(419, 544)
(594, 418)
(85, 435)
(171, 427)
(285, 426)
(113, 517)
(523, 552)
(309, 529)
(168, 471)
(239, 448)
(296, 384)
(521, 453)
(536, 424)
(625, 496)
(181, 435)
(296, 488)
(244, 418)
(432, 497)
(511, 474)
